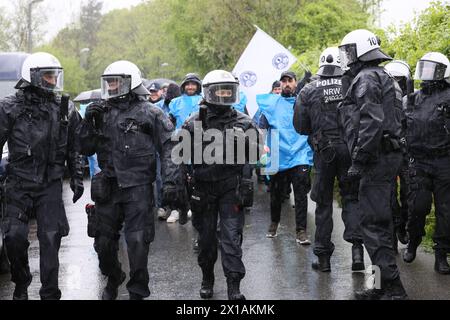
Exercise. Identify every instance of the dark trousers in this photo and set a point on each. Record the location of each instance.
(279, 184)
(376, 212)
(400, 209)
(132, 207)
(322, 193)
(430, 179)
(218, 200)
(45, 200)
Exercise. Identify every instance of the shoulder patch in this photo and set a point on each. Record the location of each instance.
(361, 89)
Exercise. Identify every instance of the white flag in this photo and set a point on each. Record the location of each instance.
(260, 65)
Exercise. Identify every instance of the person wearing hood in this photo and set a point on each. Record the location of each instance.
(126, 131)
(183, 106)
(371, 118)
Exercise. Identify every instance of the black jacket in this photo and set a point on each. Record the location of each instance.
(39, 140)
(427, 125)
(231, 120)
(315, 112)
(126, 144)
(370, 112)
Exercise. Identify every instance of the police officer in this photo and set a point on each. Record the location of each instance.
(294, 156)
(402, 73)
(316, 116)
(220, 190)
(125, 132)
(428, 138)
(39, 127)
(371, 115)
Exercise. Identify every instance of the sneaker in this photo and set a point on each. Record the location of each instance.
(302, 237)
(174, 216)
(272, 233)
(162, 214)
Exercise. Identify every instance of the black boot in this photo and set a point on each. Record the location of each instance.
(410, 253)
(402, 235)
(135, 296)
(357, 257)
(207, 291)
(233, 282)
(322, 264)
(369, 294)
(394, 290)
(112, 287)
(20, 292)
(441, 264)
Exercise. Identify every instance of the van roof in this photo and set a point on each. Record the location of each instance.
(11, 65)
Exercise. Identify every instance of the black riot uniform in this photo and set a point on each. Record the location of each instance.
(220, 192)
(316, 116)
(127, 134)
(40, 139)
(371, 116)
(428, 139)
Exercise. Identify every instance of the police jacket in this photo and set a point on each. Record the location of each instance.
(40, 139)
(315, 112)
(222, 120)
(371, 114)
(126, 142)
(428, 122)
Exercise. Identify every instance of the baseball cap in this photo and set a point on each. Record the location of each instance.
(288, 74)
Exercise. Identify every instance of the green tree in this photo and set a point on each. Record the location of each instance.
(428, 32)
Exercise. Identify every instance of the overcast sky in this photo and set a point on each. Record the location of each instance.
(62, 12)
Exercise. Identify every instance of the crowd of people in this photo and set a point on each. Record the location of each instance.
(357, 120)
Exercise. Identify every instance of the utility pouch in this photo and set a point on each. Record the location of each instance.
(100, 188)
(198, 201)
(244, 192)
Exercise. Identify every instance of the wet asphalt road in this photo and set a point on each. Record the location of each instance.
(276, 268)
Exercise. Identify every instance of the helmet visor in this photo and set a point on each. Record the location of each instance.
(430, 71)
(49, 79)
(348, 55)
(224, 94)
(113, 86)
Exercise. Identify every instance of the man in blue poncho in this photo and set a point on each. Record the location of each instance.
(292, 151)
(182, 107)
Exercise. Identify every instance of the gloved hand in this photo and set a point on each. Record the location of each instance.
(76, 184)
(95, 112)
(354, 172)
(446, 110)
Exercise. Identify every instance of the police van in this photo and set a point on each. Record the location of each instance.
(10, 73)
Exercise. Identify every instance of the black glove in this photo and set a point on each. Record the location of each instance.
(76, 184)
(446, 110)
(354, 172)
(95, 112)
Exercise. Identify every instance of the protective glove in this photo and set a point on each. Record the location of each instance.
(76, 184)
(94, 112)
(354, 172)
